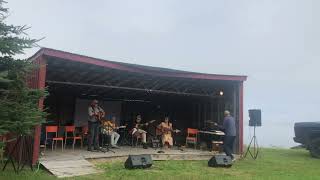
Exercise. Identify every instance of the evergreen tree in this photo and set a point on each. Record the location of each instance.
(19, 111)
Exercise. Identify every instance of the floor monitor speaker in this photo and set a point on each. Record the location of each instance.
(138, 161)
(220, 161)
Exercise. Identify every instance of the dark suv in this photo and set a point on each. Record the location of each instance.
(308, 134)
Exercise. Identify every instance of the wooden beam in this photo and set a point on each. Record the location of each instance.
(129, 88)
(241, 117)
(39, 83)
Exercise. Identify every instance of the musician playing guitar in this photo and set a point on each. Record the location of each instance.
(110, 129)
(137, 130)
(96, 114)
(166, 130)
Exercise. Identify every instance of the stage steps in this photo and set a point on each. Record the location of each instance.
(68, 165)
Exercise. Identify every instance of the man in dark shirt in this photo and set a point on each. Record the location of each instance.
(229, 128)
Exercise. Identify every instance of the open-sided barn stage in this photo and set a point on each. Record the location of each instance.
(126, 90)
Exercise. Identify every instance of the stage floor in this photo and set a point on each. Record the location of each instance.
(68, 163)
(125, 151)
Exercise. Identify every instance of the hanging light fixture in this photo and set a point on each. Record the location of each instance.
(221, 93)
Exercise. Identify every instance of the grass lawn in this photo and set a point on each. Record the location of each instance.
(272, 164)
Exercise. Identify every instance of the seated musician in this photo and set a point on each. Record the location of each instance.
(166, 129)
(111, 127)
(139, 132)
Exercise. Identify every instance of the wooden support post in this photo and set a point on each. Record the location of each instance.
(40, 84)
(241, 117)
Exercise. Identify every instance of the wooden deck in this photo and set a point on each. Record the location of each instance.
(78, 162)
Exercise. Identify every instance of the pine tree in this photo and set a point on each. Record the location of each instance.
(12, 42)
(19, 111)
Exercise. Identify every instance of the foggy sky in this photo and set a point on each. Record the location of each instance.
(275, 43)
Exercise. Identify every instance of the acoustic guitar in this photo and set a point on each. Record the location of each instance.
(99, 116)
(141, 125)
(108, 127)
(161, 130)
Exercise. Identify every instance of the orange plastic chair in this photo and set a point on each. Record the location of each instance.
(55, 139)
(85, 133)
(192, 137)
(68, 130)
(85, 130)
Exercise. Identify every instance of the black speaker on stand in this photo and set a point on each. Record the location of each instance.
(255, 121)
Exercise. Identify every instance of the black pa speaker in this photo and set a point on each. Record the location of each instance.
(138, 161)
(255, 117)
(220, 161)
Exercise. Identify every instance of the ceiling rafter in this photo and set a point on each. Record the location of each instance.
(127, 88)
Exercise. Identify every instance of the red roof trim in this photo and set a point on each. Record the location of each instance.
(124, 67)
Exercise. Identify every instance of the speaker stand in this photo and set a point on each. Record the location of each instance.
(254, 140)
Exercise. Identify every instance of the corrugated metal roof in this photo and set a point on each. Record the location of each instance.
(157, 71)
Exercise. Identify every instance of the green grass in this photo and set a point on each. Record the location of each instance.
(272, 164)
